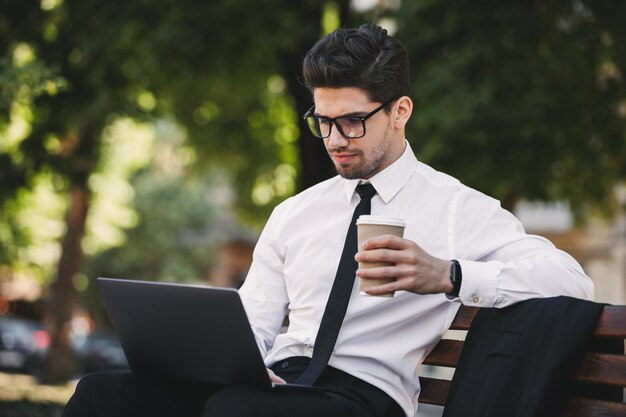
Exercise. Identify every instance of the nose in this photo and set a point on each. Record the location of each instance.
(336, 139)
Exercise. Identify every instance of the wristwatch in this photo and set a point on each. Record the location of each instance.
(456, 276)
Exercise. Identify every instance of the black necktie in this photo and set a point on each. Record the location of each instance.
(337, 303)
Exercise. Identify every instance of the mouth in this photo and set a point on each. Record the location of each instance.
(343, 157)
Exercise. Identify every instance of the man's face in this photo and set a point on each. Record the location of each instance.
(366, 156)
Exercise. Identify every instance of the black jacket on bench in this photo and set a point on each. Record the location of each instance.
(516, 361)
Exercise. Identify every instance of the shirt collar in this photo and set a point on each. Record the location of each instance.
(389, 181)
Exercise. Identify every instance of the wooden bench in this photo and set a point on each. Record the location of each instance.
(599, 380)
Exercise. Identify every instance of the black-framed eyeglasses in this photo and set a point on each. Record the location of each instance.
(350, 127)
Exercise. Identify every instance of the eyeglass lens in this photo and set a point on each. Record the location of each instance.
(349, 127)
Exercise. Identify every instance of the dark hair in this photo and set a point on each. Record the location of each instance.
(366, 58)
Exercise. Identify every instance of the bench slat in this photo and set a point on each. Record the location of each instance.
(446, 353)
(464, 318)
(584, 407)
(602, 368)
(434, 391)
(598, 368)
(612, 322)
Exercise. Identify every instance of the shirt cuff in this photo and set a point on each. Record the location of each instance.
(479, 287)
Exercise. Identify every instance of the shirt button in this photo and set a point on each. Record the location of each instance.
(475, 299)
(285, 365)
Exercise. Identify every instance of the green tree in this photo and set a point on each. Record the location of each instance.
(521, 99)
(175, 235)
(65, 129)
(216, 66)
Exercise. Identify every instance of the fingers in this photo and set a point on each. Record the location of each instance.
(410, 284)
(400, 284)
(385, 272)
(390, 256)
(384, 289)
(275, 378)
(412, 268)
(403, 257)
(385, 241)
(389, 249)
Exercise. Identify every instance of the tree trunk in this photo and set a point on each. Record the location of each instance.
(509, 201)
(315, 163)
(316, 166)
(59, 364)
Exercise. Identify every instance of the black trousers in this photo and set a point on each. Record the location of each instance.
(126, 394)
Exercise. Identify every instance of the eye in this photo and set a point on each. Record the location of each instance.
(350, 125)
(323, 121)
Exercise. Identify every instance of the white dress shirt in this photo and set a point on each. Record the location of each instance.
(382, 340)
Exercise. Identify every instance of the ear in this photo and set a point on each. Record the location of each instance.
(403, 109)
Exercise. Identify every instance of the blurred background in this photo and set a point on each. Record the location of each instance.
(151, 140)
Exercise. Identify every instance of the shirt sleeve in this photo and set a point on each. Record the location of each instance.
(263, 293)
(503, 265)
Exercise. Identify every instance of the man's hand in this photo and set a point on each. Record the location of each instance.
(415, 270)
(275, 378)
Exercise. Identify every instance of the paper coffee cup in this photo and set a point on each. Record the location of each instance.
(369, 226)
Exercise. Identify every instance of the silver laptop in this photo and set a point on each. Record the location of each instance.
(186, 332)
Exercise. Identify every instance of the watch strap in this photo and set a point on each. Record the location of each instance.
(456, 277)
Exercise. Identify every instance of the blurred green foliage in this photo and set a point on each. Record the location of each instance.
(521, 100)
(175, 235)
(72, 69)
(173, 240)
(23, 81)
(31, 225)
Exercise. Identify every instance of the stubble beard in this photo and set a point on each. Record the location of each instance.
(358, 171)
(368, 167)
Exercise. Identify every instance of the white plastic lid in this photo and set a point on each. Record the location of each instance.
(385, 220)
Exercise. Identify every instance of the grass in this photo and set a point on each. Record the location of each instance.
(25, 389)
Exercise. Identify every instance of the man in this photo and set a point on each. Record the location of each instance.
(459, 246)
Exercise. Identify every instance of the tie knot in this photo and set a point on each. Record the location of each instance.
(365, 191)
